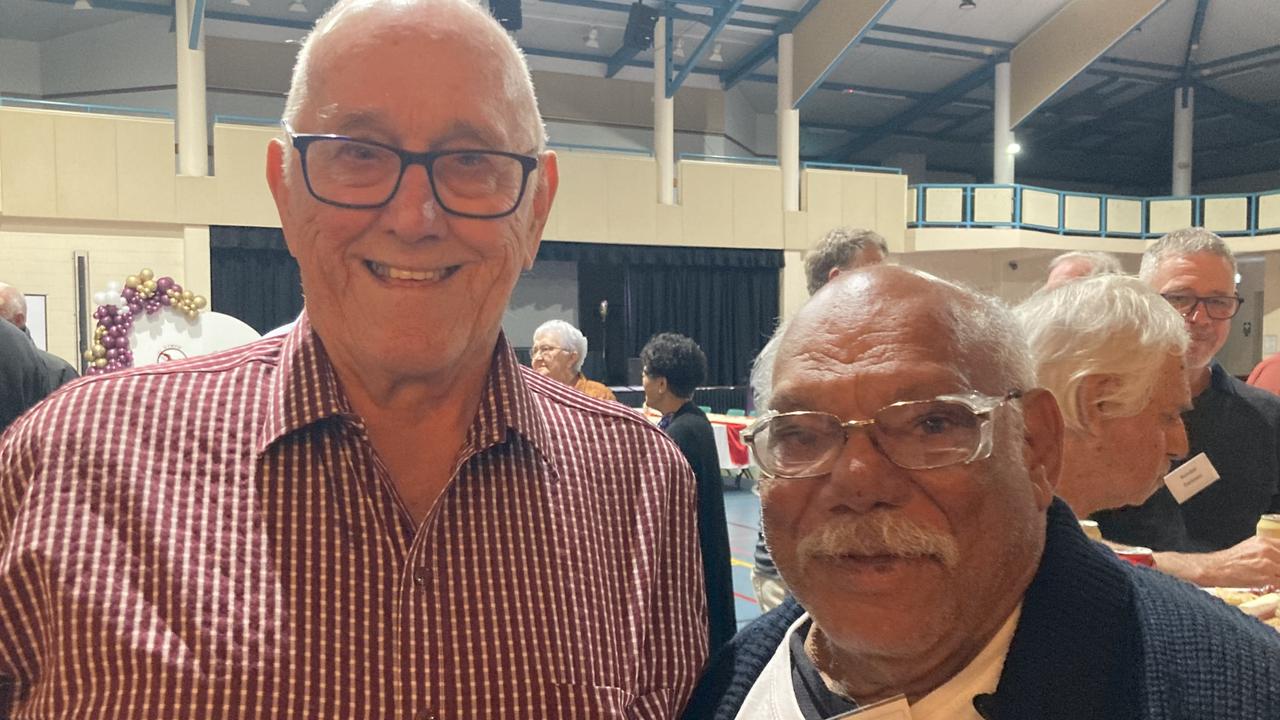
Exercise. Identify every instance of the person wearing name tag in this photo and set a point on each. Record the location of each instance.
(909, 464)
(1201, 523)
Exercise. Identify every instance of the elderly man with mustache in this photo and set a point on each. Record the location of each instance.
(911, 463)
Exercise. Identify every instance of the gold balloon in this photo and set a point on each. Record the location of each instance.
(188, 295)
(192, 314)
(132, 281)
(150, 285)
(200, 302)
(100, 363)
(99, 351)
(88, 356)
(146, 274)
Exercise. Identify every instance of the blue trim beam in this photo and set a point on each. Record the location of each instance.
(765, 50)
(1193, 40)
(721, 19)
(946, 96)
(196, 20)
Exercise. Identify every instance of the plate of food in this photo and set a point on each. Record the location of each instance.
(1260, 602)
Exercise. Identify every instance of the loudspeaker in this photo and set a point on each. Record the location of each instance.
(640, 22)
(507, 13)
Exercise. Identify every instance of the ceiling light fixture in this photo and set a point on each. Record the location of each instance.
(297, 7)
(592, 40)
(679, 51)
(716, 57)
(1013, 148)
(241, 3)
(968, 5)
(82, 5)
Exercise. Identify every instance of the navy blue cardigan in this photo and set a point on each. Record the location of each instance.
(1097, 638)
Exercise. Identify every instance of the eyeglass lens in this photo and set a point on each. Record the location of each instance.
(1218, 307)
(914, 435)
(350, 172)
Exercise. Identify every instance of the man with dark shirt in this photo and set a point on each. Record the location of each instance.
(13, 307)
(22, 379)
(1209, 539)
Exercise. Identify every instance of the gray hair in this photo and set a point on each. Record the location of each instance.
(982, 326)
(1100, 263)
(569, 337)
(839, 248)
(518, 85)
(1110, 325)
(12, 303)
(1187, 241)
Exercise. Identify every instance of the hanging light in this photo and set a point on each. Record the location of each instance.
(593, 38)
(715, 54)
(297, 7)
(82, 5)
(968, 4)
(679, 51)
(1013, 148)
(241, 3)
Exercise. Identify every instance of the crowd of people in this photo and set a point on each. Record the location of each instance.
(379, 512)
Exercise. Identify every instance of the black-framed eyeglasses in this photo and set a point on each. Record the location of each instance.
(363, 175)
(914, 434)
(1218, 307)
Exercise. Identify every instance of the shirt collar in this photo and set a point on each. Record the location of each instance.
(305, 390)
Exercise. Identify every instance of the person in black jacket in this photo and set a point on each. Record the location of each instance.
(22, 377)
(13, 307)
(674, 366)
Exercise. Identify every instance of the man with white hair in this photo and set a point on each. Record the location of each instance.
(1209, 538)
(910, 464)
(13, 308)
(558, 352)
(1111, 349)
(1079, 264)
(380, 514)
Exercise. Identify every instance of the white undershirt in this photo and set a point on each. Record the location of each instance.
(773, 696)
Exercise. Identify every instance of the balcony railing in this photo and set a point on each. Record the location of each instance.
(1068, 212)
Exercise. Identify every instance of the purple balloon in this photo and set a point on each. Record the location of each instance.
(164, 299)
(163, 284)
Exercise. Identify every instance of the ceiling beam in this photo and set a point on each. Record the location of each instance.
(1241, 109)
(1064, 133)
(1193, 40)
(721, 18)
(1249, 55)
(945, 96)
(764, 51)
(947, 37)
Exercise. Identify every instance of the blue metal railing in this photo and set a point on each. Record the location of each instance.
(83, 107)
(1085, 221)
(845, 166)
(246, 120)
(599, 148)
(727, 159)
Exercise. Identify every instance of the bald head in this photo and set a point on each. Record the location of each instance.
(851, 314)
(13, 305)
(353, 24)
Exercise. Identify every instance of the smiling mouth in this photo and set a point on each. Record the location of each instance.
(387, 272)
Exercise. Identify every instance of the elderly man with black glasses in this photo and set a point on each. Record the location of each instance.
(1233, 430)
(910, 465)
(380, 514)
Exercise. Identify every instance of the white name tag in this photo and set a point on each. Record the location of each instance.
(1190, 478)
(895, 708)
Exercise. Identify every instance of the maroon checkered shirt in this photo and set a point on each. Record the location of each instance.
(215, 538)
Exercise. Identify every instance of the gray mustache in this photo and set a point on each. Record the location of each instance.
(880, 534)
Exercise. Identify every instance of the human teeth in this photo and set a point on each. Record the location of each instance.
(399, 274)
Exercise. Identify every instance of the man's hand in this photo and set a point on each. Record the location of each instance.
(1252, 563)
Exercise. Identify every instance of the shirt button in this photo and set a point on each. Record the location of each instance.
(420, 578)
(426, 715)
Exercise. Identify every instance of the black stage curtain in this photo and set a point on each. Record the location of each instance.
(254, 277)
(725, 299)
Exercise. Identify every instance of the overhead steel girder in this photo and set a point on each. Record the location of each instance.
(945, 96)
(197, 18)
(721, 19)
(1193, 40)
(1066, 133)
(764, 51)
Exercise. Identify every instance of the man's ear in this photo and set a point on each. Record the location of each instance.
(544, 194)
(1042, 443)
(1089, 398)
(278, 185)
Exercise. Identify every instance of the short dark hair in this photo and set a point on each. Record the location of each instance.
(676, 358)
(838, 249)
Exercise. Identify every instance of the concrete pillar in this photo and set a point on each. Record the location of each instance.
(1002, 134)
(788, 125)
(192, 123)
(1184, 106)
(664, 124)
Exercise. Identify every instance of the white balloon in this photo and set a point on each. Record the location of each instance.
(99, 298)
(113, 286)
(112, 297)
